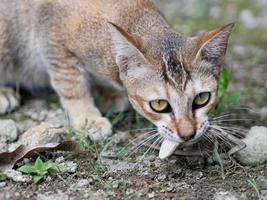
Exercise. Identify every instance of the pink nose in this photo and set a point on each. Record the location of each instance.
(186, 129)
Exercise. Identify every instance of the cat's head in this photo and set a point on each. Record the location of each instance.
(172, 80)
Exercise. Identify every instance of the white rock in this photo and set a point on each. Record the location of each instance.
(38, 135)
(256, 147)
(8, 133)
(2, 184)
(80, 185)
(70, 166)
(224, 195)
(167, 148)
(18, 176)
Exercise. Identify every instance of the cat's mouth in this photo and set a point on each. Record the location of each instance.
(172, 141)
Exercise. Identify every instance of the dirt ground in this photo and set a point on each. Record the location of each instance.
(102, 174)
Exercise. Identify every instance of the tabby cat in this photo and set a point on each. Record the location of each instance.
(125, 48)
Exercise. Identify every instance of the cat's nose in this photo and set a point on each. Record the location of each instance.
(187, 129)
(187, 138)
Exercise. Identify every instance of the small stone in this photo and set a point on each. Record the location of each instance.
(255, 151)
(224, 195)
(70, 167)
(162, 177)
(6, 195)
(18, 176)
(129, 191)
(264, 194)
(2, 184)
(41, 134)
(60, 159)
(151, 195)
(91, 180)
(48, 179)
(81, 184)
(8, 133)
(56, 196)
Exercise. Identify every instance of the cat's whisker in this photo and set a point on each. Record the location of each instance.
(229, 126)
(150, 147)
(247, 109)
(143, 129)
(230, 120)
(144, 135)
(159, 142)
(223, 116)
(143, 140)
(217, 133)
(239, 144)
(233, 130)
(227, 137)
(142, 143)
(208, 137)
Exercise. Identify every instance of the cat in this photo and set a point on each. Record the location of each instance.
(123, 47)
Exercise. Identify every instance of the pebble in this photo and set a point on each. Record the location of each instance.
(255, 151)
(224, 195)
(151, 195)
(264, 194)
(81, 184)
(70, 166)
(2, 184)
(162, 177)
(39, 135)
(18, 176)
(8, 133)
(57, 196)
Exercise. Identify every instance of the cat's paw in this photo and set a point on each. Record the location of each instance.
(8, 100)
(99, 129)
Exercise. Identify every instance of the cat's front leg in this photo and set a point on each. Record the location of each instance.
(70, 84)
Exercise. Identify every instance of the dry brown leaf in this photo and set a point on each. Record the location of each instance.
(9, 159)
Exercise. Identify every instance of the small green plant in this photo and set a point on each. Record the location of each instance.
(226, 99)
(140, 122)
(40, 169)
(122, 152)
(224, 82)
(119, 117)
(119, 185)
(219, 159)
(2, 176)
(256, 60)
(254, 185)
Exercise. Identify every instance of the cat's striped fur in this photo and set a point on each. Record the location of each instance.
(72, 46)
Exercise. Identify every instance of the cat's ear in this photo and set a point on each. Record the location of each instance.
(212, 45)
(127, 52)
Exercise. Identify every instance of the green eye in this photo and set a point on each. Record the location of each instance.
(201, 100)
(160, 106)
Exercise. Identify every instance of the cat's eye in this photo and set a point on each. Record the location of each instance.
(160, 106)
(201, 100)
